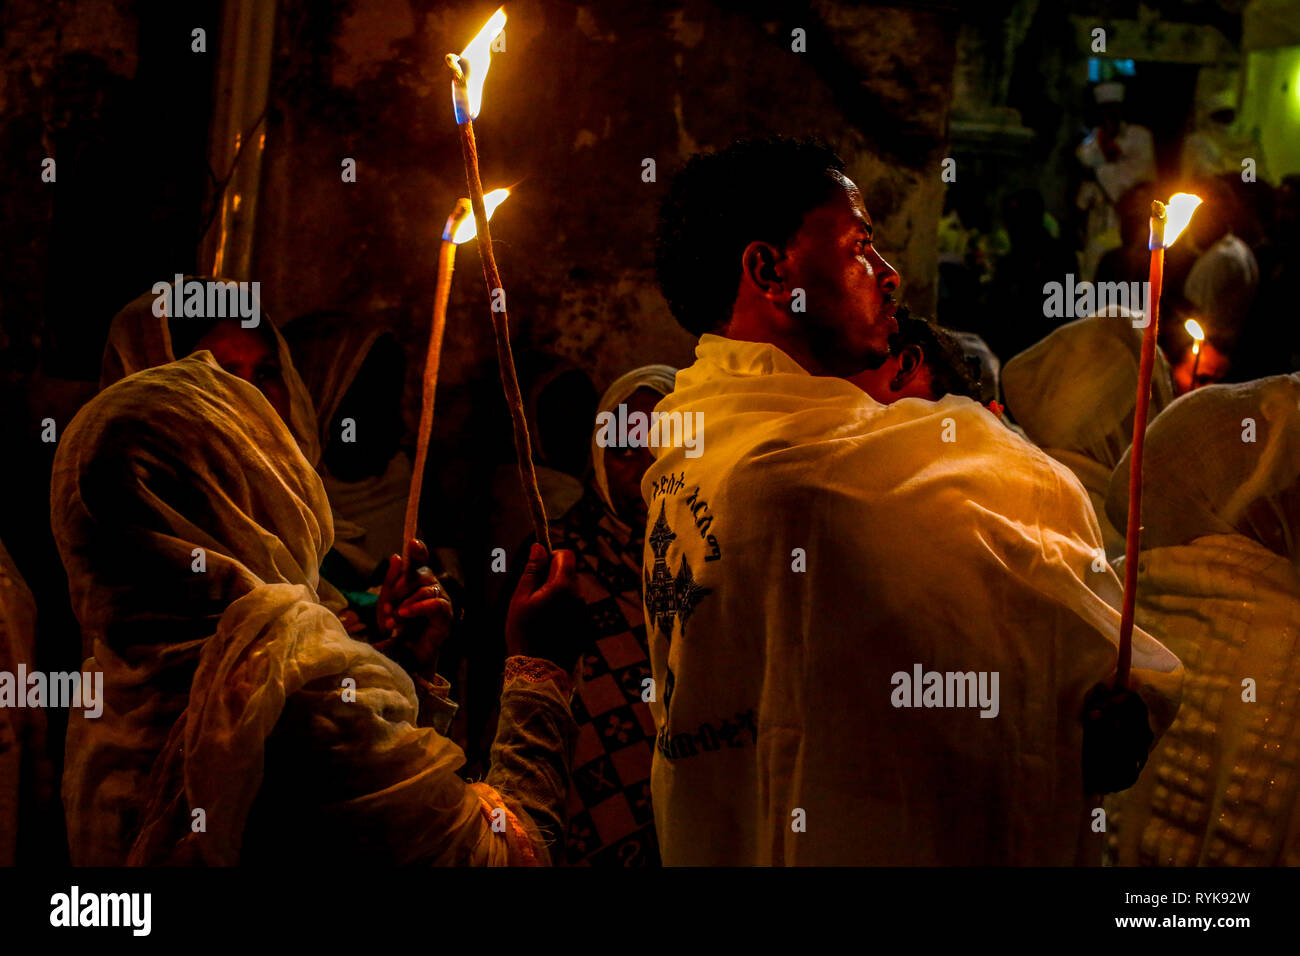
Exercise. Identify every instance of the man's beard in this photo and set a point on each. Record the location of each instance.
(840, 361)
(828, 345)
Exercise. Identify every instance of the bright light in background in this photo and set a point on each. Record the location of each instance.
(1196, 332)
(468, 228)
(1178, 214)
(475, 60)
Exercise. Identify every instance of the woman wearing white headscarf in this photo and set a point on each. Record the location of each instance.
(240, 721)
(139, 339)
(629, 508)
(1219, 585)
(1073, 393)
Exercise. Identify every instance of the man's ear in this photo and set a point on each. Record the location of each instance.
(910, 360)
(763, 266)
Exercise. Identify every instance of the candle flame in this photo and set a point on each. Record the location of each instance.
(1194, 330)
(467, 228)
(474, 61)
(1179, 211)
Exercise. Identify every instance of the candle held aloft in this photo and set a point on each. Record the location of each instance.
(468, 71)
(1178, 213)
(467, 226)
(471, 72)
(460, 228)
(1167, 223)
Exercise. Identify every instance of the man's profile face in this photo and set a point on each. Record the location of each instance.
(847, 284)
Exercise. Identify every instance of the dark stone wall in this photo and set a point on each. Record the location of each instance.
(111, 90)
(581, 96)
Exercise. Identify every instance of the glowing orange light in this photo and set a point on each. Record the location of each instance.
(467, 228)
(474, 61)
(1179, 211)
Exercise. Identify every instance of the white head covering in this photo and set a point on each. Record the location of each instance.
(200, 664)
(1076, 389)
(1219, 584)
(658, 378)
(1074, 394)
(176, 463)
(1201, 476)
(138, 339)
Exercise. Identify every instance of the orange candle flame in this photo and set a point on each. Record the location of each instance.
(466, 228)
(467, 93)
(1179, 211)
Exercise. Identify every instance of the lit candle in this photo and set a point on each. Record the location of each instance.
(468, 71)
(1167, 223)
(461, 228)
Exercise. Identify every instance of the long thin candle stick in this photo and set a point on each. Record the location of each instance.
(442, 292)
(1131, 538)
(501, 332)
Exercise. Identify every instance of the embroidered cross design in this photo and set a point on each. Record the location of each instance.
(666, 596)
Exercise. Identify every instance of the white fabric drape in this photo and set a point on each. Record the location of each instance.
(138, 339)
(657, 378)
(824, 542)
(1219, 584)
(191, 528)
(1074, 394)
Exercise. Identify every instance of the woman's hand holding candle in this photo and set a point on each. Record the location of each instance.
(414, 612)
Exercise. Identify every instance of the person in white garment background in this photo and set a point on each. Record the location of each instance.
(1074, 394)
(851, 605)
(1116, 156)
(1219, 584)
(1215, 146)
(1220, 289)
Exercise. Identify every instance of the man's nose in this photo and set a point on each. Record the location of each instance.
(887, 276)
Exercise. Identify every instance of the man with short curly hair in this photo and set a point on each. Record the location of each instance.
(770, 241)
(872, 626)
